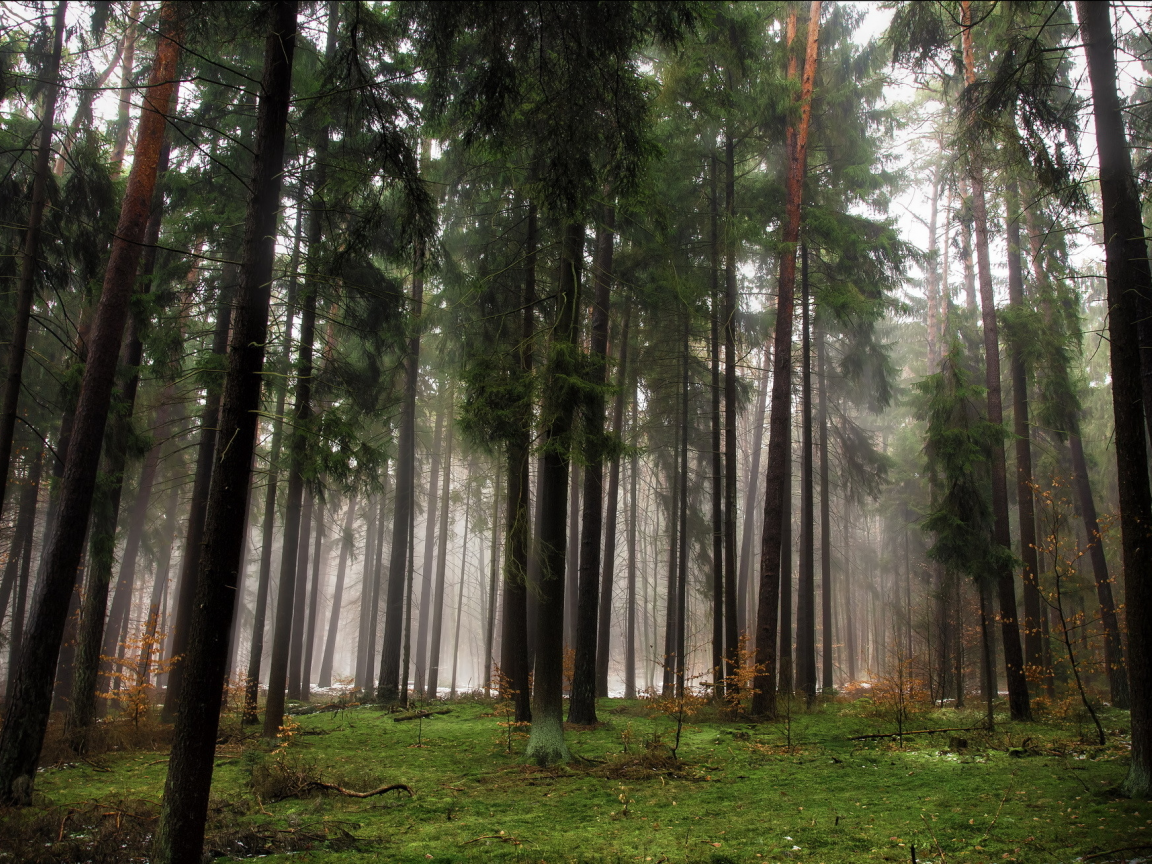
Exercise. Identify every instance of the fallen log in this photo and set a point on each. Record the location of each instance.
(914, 732)
(419, 715)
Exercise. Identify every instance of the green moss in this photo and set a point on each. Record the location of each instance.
(740, 795)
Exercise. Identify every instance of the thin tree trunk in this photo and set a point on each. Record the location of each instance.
(365, 651)
(148, 643)
(717, 461)
(26, 717)
(546, 742)
(490, 626)
(582, 702)
(604, 627)
(1033, 641)
(429, 550)
(764, 700)
(259, 618)
(748, 531)
(123, 124)
(671, 595)
(193, 538)
(514, 654)
(374, 611)
(180, 833)
(299, 602)
(572, 586)
(389, 689)
(826, 635)
(318, 561)
(682, 570)
(1002, 533)
(441, 564)
(20, 561)
(1129, 289)
(30, 257)
(460, 590)
(731, 304)
(346, 540)
(806, 589)
(630, 607)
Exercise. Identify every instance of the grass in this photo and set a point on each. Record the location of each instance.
(1030, 792)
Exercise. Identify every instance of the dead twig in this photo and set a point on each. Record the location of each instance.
(917, 732)
(420, 715)
(1114, 851)
(933, 836)
(506, 838)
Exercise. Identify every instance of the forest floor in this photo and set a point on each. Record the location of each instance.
(800, 789)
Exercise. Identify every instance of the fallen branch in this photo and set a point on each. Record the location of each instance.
(507, 838)
(1114, 851)
(420, 715)
(916, 732)
(351, 793)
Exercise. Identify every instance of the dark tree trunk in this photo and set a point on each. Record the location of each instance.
(604, 627)
(582, 702)
(82, 708)
(389, 689)
(148, 643)
(1129, 293)
(318, 561)
(299, 604)
(732, 617)
(826, 640)
(764, 700)
(671, 595)
(718, 670)
(30, 254)
(441, 563)
(514, 662)
(630, 626)
(19, 564)
(493, 585)
(806, 589)
(373, 619)
(1001, 531)
(346, 540)
(572, 586)
(429, 550)
(26, 717)
(260, 614)
(365, 651)
(180, 833)
(193, 538)
(460, 593)
(747, 533)
(682, 569)
(546, 743)
(1033, 637)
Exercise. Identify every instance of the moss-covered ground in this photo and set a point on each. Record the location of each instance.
(738, 791)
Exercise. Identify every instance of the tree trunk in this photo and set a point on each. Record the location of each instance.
(1129, 289)
(365, 651)
(604, 627)
(490, 626)
(346, 541)
(572, 586)
(748, 530)
(123, 125)
(764, 701)
(1001, 531)
(30, 257)
(149, 642)
(546, 742)
(731, 304)
(260, 614)
(630, 626)
(514, 662)
(19, 564)
(718, 670)
(582, 702)
(826, 640)
(193, 538)
(180, 833)
(682, 570)
(373, 615)
(671, 595)
(460, 593)
(27, 714)
(806, 589)
(429, 550)
(299, 602)
(389, 689)
(1033, 637)
(441, 563)
(318, 562)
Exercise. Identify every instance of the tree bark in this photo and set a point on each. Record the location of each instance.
(1001, 531)
(299, 603)
(806, 588)
(346, 541)
(441, 563)
(582, 702)
(27, 714)
(748, 530)
(826, 635)
(604, 627)
(630, 626)
(193, 537)
(19, 564)
(546, 742)
(30, 258)
(717, 461)
(731, 304)
(764, 700)
(318, 561)
(572, 586)
(123, 125)
(493, 585)
(514, 662)
(1129, 288)
(460, 592)
(180, 833)
(429, 555)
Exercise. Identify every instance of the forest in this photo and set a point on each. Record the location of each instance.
(686, 431)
